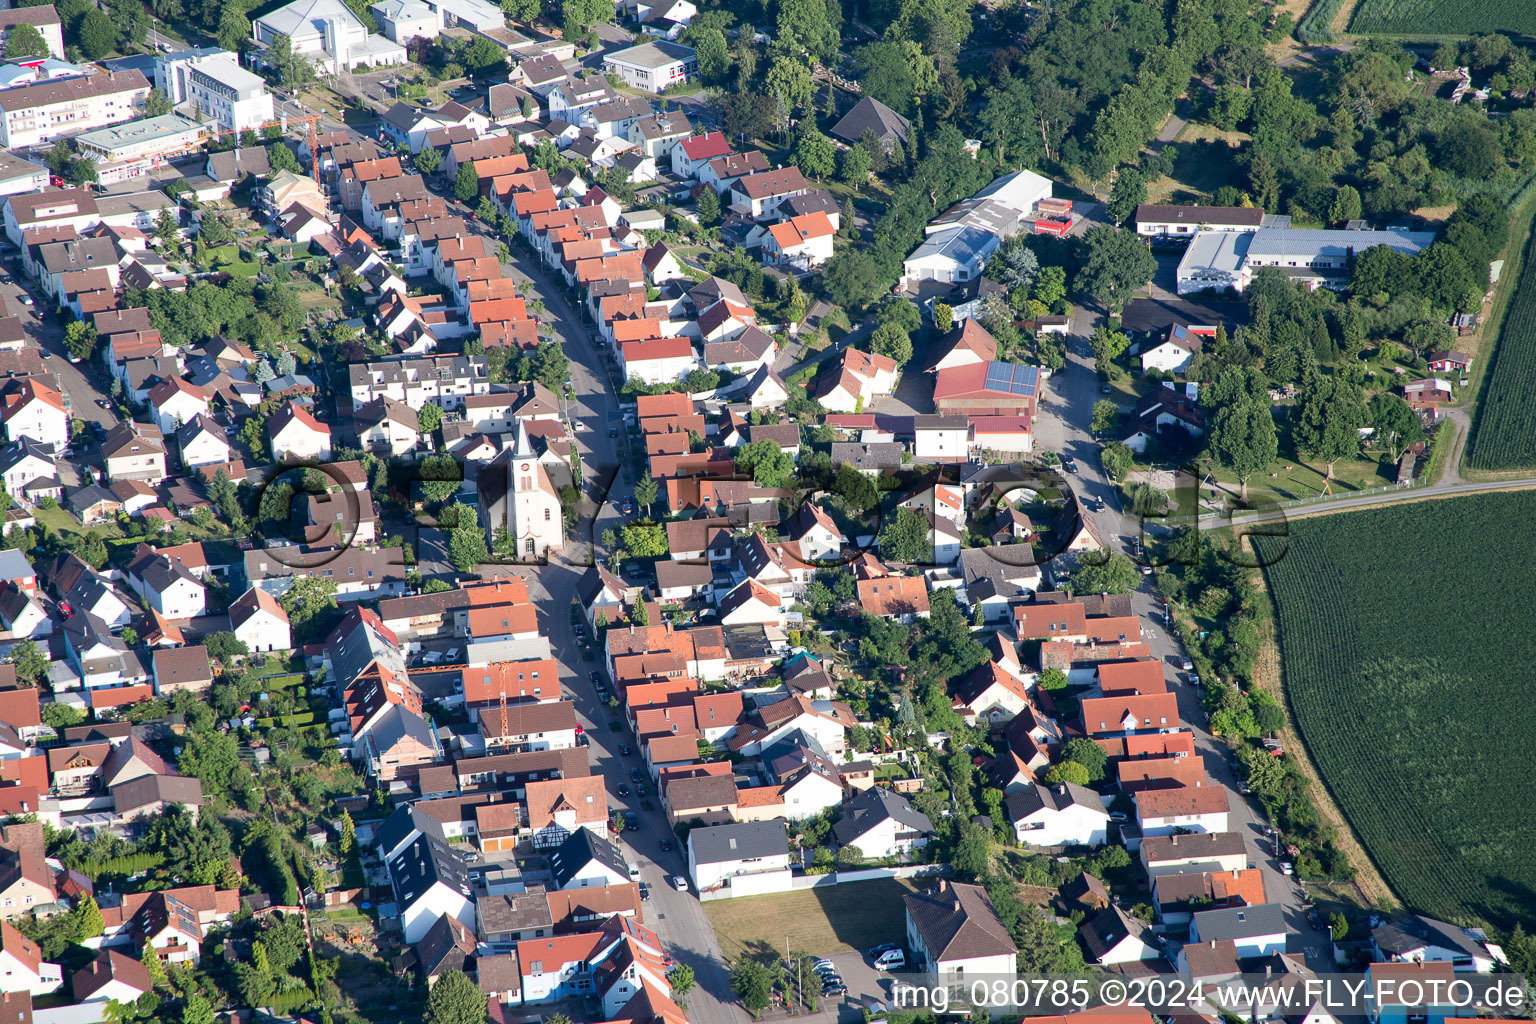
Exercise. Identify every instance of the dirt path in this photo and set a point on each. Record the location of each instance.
(1369, 886)
(1341, 19)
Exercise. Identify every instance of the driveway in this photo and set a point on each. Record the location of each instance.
(82, 391)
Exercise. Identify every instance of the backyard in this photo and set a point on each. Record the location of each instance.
(826, 920)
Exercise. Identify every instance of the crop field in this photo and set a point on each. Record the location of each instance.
(1409, 666)
(1425, 18)
(1504, 435)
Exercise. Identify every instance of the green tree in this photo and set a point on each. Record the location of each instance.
(85, 920)
(1116, 264)
(645, 492)
(890, 340)
(789, 80)
(1117, 574)
(31, 664)
(770, 465)
(1328, 421)
(429, 159)
(713, 55)
(1053, 679)
(1108, 346)
(973, 853)
(905, 537)
(309, 602)
(80, 339)
(1067, 771)
(25, 41)
(813, 151)
(644, 539)
(348, 839)
(428, 418)
(680, 978)
(1397, 425)
(59, 717)
(707, 206)
(852, 279)
(466, 544)
(1243, 438)
(455, 1000)
(1118, 460)
(853, 168)
(225, 648)
(639, 614)
(96, 33)
(466, 183)
(1088, 754)
(1129, 192)
(521, 11)
(1338, 926)
(213, 758)
(943, 317)
(1105, 415)
(282, 159)
(1345, 206)
(153, 965)
(752, 983)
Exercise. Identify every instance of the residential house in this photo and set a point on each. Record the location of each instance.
(1062, 815)
(746, 856)
(882, 823)
(295, 434)
(955, 930)
(259, 622)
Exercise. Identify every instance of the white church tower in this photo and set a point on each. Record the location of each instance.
(516, 493)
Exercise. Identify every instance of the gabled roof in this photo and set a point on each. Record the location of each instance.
(958, 922)
(874, 806)
(1106, 930)
(582, 848)
(870, 113)
(737, 841)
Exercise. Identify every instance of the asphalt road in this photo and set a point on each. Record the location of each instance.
(1062, 425)
(45, 334)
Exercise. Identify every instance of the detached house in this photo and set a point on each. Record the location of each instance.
(22, 968)
(955, 930)
(759, 196)
(1064, 815)
(882, 823)
(260, 622)
(34, 410)
(296, 434)
(174, 401)
(803, 242)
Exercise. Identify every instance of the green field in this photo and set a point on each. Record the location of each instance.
(1409, 667)
(1504, 434)
(1427, 18)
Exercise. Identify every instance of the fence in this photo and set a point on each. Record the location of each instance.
(773, 881)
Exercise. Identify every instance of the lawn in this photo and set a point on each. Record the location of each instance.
(1409, 680)
(831, 919)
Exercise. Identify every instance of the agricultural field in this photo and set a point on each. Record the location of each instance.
(1504, 435)
(1427, 18)
(1409, 667)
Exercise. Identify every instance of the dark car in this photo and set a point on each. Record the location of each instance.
(103, 403)
(634, 775)
(623, 789)
(632, 821)
(834, 990)
(597, 679)
(666, 846)
(623, 749)
(1070, 465)
(628, 508)
(645, 892)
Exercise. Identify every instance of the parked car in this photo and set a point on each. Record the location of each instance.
(1117, 816)
(666, 846)
(679, 883)
(645, 893)
(632, 821)
(823, 965)
(834, 990)
(634, 775)
(623, 789)
(624, 750)
(597, 679)
(1186, 665)
(891, 960)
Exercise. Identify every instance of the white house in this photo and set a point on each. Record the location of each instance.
(941, 438)
(695, 152)
(385, 425)
(328, 33)
(259, 622)
(587, 860)
(215, 85)
(804, 241)
(45, 19)
(174, 401)
(952, 256)
(29, 469)
(203, 443)
(1256, 930)
(1201, 808)
(35, 410)
(658, 360)
(294, 432)
(1064, 815)
(22, 614)
(168, 585)
(22, 967)
(110, 976)
(430, 881)
(731, 854)
(1424, 939)
(1115, 937)
(1173, 353)
(955, 930)
(653, 66)
(882, 823)
(760, 195)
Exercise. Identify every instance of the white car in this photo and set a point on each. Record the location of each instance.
(679, 883)
(891, 960)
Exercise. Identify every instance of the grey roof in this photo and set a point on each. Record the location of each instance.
(657, 54)
(870, 113)
(1302, 243)
(444, 947)
(582, 848)
(961, 244)
(1403, 937)
(1240, 922)
(1198, 845)
(671, 574)
(741, 840)
(401, 825)
(152, 789)
(874, 455)
(396, 723)
(232, 164)
(1109, 928)
(874, 806)
(424, 862)
(1025, 802)
(357, 643)
(816, 201)
(515, 912)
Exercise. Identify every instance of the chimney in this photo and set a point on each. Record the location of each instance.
(943, 885)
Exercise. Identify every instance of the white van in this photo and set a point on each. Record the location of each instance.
(891, 960)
